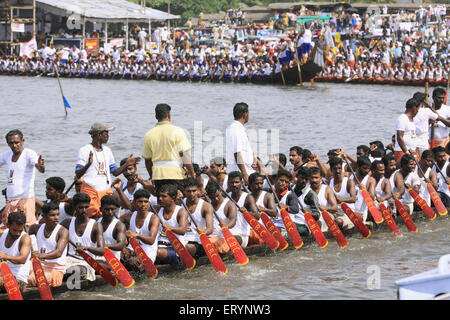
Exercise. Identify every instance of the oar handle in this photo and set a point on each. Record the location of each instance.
(189, 213)
(214, 210)
(70, 187)
(440, 171)
(417, 164)
(351, 169)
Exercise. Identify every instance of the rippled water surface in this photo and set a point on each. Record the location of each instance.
(325, 117)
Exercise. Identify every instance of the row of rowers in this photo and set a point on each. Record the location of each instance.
(132, 211)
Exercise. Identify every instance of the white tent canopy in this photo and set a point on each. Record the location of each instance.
(111, 10)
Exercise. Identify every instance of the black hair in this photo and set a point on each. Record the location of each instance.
(142, 193)
(364, 148)
(285, 173)
(314, 170)
(14, 133)
(109, 200)
(406, 159)
(212, 187)
(363, 161)
(50, 206)
(162, 110)
(437, 91)
(171, 190)
(306, 154)
(375, 163)
(253, 176)
(197, 169)
(80, 198)
(297, 149)
(411, 103)
(377, 153)
(388, 157)
(17, 218)
(57, 183)
(304, 172)
(234, 174)
(378, 143)
(239, 110)
(335, 161)
(427, 153)
(189, 182)
(419, 96)
(438, 149)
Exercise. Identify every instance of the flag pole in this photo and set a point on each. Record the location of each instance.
(65, 103)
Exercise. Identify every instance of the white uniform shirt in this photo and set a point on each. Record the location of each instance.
(237, 141)
(21, 174)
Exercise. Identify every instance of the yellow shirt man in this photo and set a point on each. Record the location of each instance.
(164, 145)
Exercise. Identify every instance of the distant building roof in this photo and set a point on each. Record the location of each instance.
(118, 10)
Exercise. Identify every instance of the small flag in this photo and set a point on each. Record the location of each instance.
(66, 103)
(51, 41)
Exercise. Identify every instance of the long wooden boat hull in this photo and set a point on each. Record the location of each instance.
(257, 250)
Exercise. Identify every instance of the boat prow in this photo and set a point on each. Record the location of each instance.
(429, 285)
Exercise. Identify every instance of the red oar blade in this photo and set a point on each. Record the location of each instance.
(101, 270)
(315, 230)
(405, 216)
(184, 255)
(441, 209)
(10, 283)
(262, 232)
(275, 232)
(235, 247)
(119, 270)
(291, 229)
(359, 224)
(389, 220)
(422, 204)
(144, 259)
(212, 254)
(371, 206)
(41, 280)
(334, 229)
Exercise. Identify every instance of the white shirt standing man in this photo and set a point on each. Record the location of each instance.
(21, 163)
(405, 131)
(96, 164)
(239, 152)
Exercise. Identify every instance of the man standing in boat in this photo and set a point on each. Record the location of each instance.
(96, 164)
(239, 152)
(440, 135)
(51, 240)
(166, 149)
(21, 163)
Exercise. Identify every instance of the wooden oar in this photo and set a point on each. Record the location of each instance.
(262, 232)
(299, 69)
(405, 216)
(65, 102)
(356, 220)
(312, 225)
(388, 218)
(100, 269)
(272, 228)
(209, 248)
(9, 282)
(71, 186)
(147, 263)
(119, 270)
(440, 171)
(334, 229)
(235, 248)
(376, 214)
(41, 280)
(422, 204)
(432, 125)
(184, 255)
(289, 225)
(441, 209)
